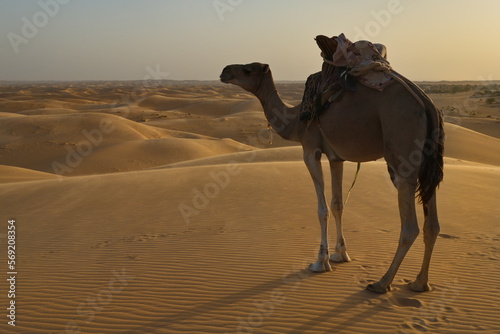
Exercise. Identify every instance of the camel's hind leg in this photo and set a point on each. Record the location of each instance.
(409, 232)
(431, 231)
(337, 169)
(313, 163)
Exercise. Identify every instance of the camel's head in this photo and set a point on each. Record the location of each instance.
(248, 77)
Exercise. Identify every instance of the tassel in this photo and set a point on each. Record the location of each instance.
(270, 133)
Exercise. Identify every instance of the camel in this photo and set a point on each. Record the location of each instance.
(364, 125)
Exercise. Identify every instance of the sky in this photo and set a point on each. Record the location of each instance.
(194, 39)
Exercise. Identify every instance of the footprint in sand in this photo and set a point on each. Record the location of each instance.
(404, 302)
(418, 325)
(143, 237)
(102, 244)
(490, 254)
(447, 236)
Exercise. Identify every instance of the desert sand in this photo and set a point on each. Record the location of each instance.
(166, 209)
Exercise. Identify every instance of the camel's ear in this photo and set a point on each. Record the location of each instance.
(265, 68)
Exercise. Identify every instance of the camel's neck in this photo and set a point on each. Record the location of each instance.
(282, 118)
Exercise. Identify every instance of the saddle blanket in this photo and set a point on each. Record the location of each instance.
(365, 60)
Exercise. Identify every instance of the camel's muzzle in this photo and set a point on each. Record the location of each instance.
(225, 76)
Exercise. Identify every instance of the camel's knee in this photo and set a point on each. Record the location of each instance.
(323, 213)
(337, 207)
(409, 234)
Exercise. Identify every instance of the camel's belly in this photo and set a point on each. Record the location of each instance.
(355, 136)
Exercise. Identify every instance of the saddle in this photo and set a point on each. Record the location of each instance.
(345, 64)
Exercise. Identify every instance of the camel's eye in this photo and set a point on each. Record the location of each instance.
(246, 71)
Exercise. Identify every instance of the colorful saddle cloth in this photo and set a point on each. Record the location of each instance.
(345, 64)
(363, 59)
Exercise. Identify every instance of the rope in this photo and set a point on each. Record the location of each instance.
(373, 66)
(337, 156)
(381, 67)
(353, 183)
(270, 131)
(405, 85)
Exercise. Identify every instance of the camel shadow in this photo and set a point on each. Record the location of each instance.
(294, 277)
(374, 304)
(369, 305)
(351, 302)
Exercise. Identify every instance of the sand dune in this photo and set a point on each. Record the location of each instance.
(243, 254)
(469, 145)
(21, 105)
(18, 174)
(179, 217)
(203, 107)
(76, 144)
(145, 154)
(159, 102)
(47, 111)
(9, 114)
(281, 154)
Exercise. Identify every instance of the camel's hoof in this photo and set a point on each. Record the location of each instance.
(320, 267)
(378, 288)
(340, 257)
(419, 287)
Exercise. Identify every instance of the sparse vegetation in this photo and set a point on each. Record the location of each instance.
(451, 111)
(447, 88)
(486, 92)
(479, 91)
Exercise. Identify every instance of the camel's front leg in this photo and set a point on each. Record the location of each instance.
(409, 232)
(313, 163)
(337, 169)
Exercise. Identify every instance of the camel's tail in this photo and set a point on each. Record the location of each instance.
(431, 168)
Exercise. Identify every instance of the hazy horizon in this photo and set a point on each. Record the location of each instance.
(75, 40)
(217, 80)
